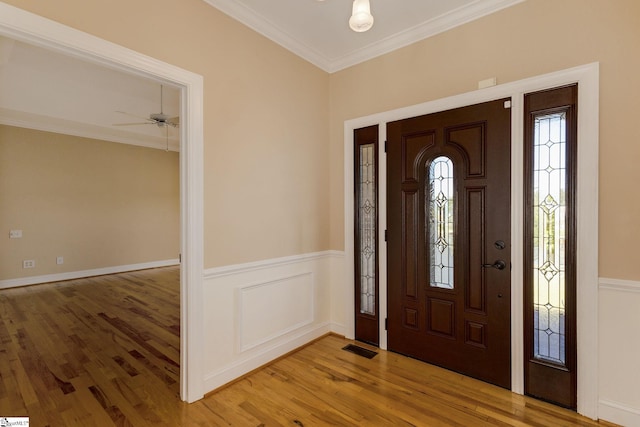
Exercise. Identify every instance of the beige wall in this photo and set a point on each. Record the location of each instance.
(266, 115)
(529, 39)
(98, 204)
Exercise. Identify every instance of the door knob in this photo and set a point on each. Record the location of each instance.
(498, 265)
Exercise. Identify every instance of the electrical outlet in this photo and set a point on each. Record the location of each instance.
(15, 234)
(28, 263)
(60, 260)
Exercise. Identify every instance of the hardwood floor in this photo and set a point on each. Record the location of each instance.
(104, 351)
(99, 351)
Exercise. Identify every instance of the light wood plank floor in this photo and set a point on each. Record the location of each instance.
(104, 351)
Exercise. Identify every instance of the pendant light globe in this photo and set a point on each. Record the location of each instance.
(361, 19)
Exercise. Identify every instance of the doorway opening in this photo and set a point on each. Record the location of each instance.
(33, 29)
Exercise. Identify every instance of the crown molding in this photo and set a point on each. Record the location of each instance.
(448, 21)
(443, 23)
(68, 127)
(248, 17)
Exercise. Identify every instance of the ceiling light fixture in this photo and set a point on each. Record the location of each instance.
(361, 19)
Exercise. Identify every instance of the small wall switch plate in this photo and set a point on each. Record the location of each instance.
(15, 234)
(28, 263)
(60, 260)
(487, 83)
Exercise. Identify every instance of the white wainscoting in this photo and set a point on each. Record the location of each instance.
(619, 330)
(272, 309)
(57, 277)
(259, 311)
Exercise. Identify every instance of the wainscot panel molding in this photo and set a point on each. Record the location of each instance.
(259, 311)
(47, 278)
(291, 305)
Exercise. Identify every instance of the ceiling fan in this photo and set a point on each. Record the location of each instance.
(159, 119)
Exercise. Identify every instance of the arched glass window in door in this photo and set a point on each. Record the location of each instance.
(440, 203)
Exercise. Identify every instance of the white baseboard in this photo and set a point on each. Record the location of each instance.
(241, 367)
(618, 413)
(57, 277)
(337, 328)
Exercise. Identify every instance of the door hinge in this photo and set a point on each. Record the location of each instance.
(385, 146)
(386, 235)
(386, 323)
(179, 258)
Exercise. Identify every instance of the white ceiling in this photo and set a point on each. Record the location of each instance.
(318, 31)
(44, 90)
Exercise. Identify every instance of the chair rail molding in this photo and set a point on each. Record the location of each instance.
(619, 285)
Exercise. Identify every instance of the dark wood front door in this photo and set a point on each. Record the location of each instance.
(448, 220)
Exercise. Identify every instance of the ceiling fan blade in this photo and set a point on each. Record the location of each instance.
(133, 124)
(138, 117)
(160, 119)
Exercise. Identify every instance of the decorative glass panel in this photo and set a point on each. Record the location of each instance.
(440, 221)
(367, 228)
(549, 236)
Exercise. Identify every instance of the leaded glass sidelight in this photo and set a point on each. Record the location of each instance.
(367, 228)
(440, 199)
(549, 236)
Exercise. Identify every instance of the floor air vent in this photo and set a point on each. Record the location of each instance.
(360, 351)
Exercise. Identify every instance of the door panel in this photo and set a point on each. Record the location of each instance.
(448, 190)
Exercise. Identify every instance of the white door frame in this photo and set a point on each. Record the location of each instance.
(24, 26)
(587, 77)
